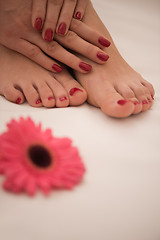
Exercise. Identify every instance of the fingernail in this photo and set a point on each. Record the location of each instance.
(57, 68)
(62, 99)
(62, 28)
(144, 102)
(38, 24)
(50, 98)
(104, 42)
(38, 101)
(18, 100)
(48, 35)
(102, 56)
(122, 102)
(85, 66)
(73, 90)
(78, 15)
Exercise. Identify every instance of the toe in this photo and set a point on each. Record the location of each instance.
(32, 95)
(13, 94)
(77, 94)
(149, 87)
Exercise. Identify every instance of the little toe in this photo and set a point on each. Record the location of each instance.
(13, 94)
(149, 87)
(77, 94)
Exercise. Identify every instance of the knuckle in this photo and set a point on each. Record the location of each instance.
(52, 46)
(33, 52)
(75, 24)
(90, 50)
(71, 36)
(56, 2)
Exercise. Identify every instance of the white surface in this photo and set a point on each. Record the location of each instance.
(119, 198)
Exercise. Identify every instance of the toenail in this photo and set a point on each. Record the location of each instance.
(136, 103)
(57, 68)
(102, 56)
(122, 102)
(50, 98)
(149, 100)
(144, 102)
(78, 15)
(18, 100)
(48, 35)
(85, 66)
(62, 28)
(62, 99)
(104, 42)
(152, 97)
(73, 90)
(38, 101)
(38, 24)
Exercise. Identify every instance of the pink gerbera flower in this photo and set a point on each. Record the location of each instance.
(31, 158)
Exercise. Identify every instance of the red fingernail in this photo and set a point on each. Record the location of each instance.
(85, 66)
(48, 35)
(18, 100)
(104, 42)
(73, 90)
(57, 68)
(78, 15)
(144, 102)
(38, 24)
(102, 56)
(38, 101)
(62, 28)
(122, 102)
(62, 99)
(50, 98)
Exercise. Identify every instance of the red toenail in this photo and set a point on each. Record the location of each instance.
(144, 102)
(152, 97)
(57, 68)
(38, 24)
(104, 42)
(48, 35)
(102, 56)
(149, 100)
(38, 101)
(73, 90)
(50, 98)
(62, 99)
(136, 103)
(78, 15)
(18, 100)
(85, 66)
(122, 102)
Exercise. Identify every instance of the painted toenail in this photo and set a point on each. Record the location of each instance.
(103, 57)
(48, 35)
(57, 68)
(62, 99)
(122, 102)
(85, 66)
(149, 100)
(38, 101)
(152, 97)
(136, 103)
(78, 15)
(104, 42)
(73, 90)
(144, 102)
(50, 98)
(62, 28)
(38, 24)
(18, 100)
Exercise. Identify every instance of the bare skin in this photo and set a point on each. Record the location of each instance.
(21, 79)
(114, 87)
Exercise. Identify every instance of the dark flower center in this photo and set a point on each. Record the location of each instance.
(40, 156)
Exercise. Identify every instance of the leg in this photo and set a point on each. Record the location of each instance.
(114, 87)
(21, 79)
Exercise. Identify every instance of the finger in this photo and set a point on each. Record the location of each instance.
(65, 17)
(34, 53)
(89, 34)
(80, 9)
(79, 45)
(56, 51)
(52, 15)
(38, 13)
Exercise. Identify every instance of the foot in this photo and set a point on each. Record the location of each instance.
(114, 87)
(21, 79)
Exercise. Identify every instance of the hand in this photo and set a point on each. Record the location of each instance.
(52, 16)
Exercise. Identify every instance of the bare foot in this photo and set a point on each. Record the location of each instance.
(114, 87)
(21, 79)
